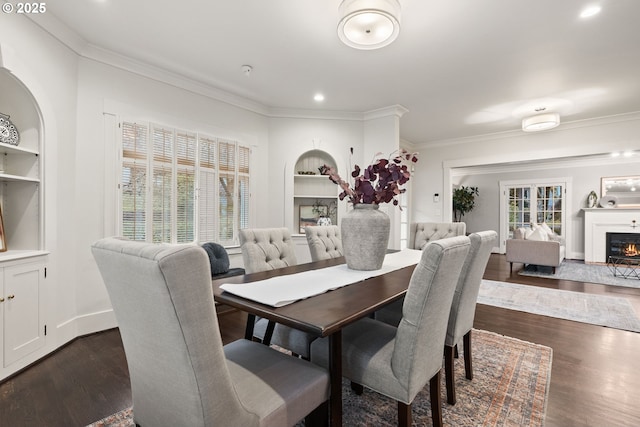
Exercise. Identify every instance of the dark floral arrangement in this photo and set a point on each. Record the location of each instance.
(381, 180)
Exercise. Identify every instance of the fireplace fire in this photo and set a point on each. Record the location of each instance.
(623, 245)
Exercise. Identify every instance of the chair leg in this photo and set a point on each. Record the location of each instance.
(510, 268)
(358, 389)
(449, 374)
(319, 417)
(268, 334)
(436, 405)
(468, 366)
(404, 415)
(455, 351)
(248, 331)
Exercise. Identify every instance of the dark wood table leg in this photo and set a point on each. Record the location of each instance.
(335, 371)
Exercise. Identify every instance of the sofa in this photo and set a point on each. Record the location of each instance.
(537, 245)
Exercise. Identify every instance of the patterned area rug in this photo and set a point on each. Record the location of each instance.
(603, 310)
(581, 272)
(509, 388)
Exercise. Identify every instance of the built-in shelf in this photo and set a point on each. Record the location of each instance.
(312, 176)
(313, 189)
(16, 178)
(12, 255)
(314, 196)
(15, 149)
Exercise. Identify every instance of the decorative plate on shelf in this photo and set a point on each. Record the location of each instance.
(8, 132)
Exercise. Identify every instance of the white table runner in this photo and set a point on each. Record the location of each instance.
(283, 290)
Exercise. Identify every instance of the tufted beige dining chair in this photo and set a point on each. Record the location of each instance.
(398, 362)
(266, 249)
(421, 233)
(180, 373)
(324, 242)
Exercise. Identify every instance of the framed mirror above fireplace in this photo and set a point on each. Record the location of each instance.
(625, 190)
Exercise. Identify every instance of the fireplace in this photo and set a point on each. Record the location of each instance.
(623, 245)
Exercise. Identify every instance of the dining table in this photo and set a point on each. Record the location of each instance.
(324, 314)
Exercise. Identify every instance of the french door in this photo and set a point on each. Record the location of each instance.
(537, 201)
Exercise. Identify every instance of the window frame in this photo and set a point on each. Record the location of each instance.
(178, 167)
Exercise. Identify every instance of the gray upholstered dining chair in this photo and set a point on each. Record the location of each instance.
(421, 233)
(398, 362)
(181, 374)
(268, 249)
(463, 307)
(324, 241)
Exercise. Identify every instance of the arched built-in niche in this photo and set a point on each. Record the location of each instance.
(20, 169)
(313, 193)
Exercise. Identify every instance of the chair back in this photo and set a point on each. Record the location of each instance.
(421, 233)
(417, 354)
(324, 242)
(162, 300)
(463, 307)
(266, 249)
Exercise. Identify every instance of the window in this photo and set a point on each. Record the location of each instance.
(536, 201)
(179, 186)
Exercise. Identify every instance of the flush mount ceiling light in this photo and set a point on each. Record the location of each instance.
(368, 24)
(540, 122)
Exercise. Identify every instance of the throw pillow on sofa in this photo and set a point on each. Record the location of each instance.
(538, 234)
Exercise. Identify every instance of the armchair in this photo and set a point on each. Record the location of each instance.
(549, 253)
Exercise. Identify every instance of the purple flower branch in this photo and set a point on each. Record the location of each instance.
(381, 180)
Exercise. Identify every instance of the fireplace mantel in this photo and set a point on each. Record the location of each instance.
(599, 221)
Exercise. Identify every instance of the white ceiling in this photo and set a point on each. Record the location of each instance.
(461, 67)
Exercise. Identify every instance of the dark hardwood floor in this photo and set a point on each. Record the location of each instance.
(594, 381)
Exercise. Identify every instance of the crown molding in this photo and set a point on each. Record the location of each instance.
(392, 110)
(162, 75)
(557, 163)
(576, 124)
(292, 113)
(85, 50)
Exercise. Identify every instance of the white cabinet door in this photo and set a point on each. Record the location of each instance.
(24, 326)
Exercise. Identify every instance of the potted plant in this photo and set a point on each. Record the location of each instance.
(463, 201)
(365, 230)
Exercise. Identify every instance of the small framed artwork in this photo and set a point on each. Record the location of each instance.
(3, 244)
(310, 214)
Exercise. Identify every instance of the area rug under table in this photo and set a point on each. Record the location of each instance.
(602, 310)
(579, 271)
(509, 388)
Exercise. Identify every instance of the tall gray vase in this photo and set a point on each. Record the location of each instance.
(365, 237)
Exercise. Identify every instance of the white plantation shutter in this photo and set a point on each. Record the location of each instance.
(243, 187)
(226, 190)
(207, 190)
(178, 186)
(133, 181)
(162, 183)
(186, 149)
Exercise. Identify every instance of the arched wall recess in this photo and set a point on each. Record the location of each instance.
(23, 266)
